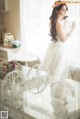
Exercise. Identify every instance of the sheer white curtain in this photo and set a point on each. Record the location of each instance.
(73, 14)
(34, 16)
(35, 25)
(75, 46)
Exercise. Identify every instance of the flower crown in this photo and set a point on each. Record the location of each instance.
(57, 3)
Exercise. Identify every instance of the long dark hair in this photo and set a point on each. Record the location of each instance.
(53, 19)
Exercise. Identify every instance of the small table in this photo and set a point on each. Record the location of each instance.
(9, 53)
(26, 59)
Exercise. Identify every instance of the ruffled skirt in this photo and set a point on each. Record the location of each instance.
(57, 60)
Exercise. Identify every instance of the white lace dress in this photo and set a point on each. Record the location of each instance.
(57, 59)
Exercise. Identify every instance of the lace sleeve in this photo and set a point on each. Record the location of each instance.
(72, 30)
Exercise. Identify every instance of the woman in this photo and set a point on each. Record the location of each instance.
(58, 58)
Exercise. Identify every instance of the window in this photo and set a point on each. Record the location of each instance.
(35, 28)
(35, 24)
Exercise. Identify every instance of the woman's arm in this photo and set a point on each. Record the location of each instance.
(61, 31)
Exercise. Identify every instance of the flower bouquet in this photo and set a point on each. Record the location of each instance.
(7, 67)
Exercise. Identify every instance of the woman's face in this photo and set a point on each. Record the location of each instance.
(63, 11)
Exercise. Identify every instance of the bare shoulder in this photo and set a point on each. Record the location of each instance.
(58, 24)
